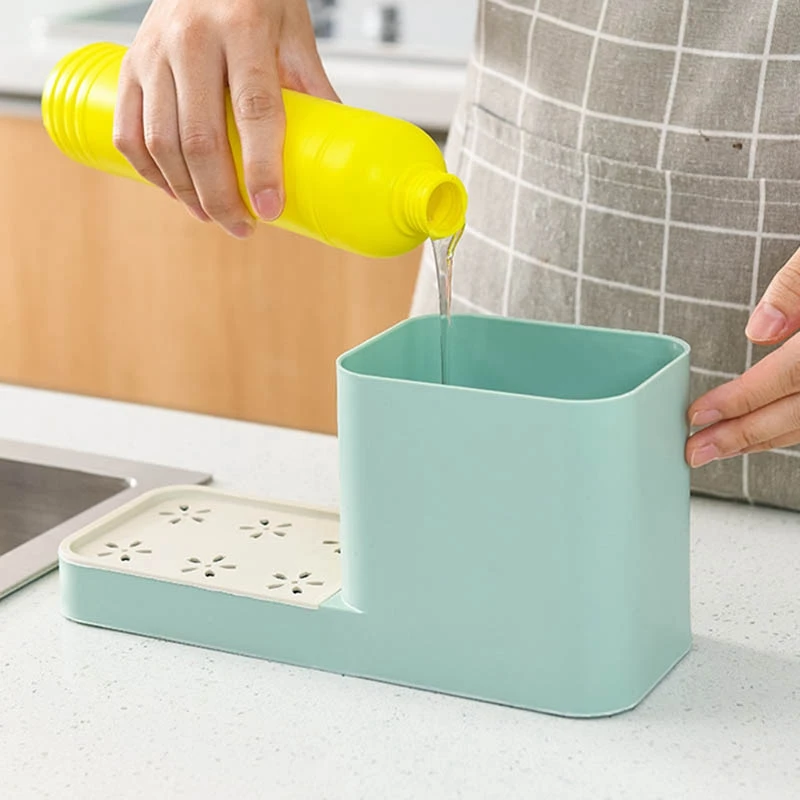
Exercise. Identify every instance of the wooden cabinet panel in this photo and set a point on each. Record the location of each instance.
(110, 289)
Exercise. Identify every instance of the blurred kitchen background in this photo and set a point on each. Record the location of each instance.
(107, 288)
(401, 57)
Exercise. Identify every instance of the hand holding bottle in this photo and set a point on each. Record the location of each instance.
(170, 115)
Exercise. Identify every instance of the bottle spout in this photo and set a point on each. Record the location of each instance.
(435, 203)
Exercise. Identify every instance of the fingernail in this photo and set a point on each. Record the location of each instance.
(766, 323)
(268, 204)
(241, 230)
(707, 417)
(704, 455)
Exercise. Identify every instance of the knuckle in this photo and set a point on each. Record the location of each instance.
(739, 437)
(244, 17)
(188, 32)
(127, 67)
(255, 103)
(752, 434)
(151, 174)
(200, 144)
(147, 50)
(261, 173)
(186, 192)
(750, 403)
(736, 396)
(222, 207)
(159, 143)
(791, 375)
(127, 142)
(748, 398)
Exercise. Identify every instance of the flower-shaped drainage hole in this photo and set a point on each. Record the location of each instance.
(185, 512)
(297, 584)
(209, 569)
(264, 526)
(125, 552)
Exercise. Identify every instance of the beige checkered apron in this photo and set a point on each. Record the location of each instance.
(637, 165)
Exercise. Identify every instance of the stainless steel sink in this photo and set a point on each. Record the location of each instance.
(47, 493)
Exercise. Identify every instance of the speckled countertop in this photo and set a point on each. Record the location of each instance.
(89, 713)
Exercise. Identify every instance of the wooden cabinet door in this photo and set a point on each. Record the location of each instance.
(108, 288)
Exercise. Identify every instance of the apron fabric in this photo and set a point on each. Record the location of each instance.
(634, 165)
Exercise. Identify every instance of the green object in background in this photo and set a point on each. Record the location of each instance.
(520, 536)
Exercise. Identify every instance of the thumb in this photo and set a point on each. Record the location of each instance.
(778, 313)
(304, 72)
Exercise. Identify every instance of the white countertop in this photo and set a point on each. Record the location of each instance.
(89, 713)
(425, 93)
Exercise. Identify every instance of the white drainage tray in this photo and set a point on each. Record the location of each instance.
(201, 537)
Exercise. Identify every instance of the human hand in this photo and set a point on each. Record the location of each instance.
(170, 117)
(760, 410)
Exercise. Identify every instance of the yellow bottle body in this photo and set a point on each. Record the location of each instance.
(354, 179)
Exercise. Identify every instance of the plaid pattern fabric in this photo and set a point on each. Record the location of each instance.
(635, 165)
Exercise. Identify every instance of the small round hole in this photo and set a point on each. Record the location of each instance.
(263, 522)
(184, 508)
(297, 590)
(445, 209)
(209, 573)
(124, 557)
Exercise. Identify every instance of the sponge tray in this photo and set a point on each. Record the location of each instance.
(221, 542)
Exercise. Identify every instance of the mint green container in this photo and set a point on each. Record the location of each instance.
(522, 534)
(519, 536)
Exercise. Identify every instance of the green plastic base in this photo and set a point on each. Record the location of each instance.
(333, 638)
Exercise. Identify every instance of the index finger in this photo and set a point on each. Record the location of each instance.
(775, 376)
(258, 111)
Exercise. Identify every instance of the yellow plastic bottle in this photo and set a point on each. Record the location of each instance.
(354, 179)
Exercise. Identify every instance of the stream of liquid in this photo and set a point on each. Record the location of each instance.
(444, 251)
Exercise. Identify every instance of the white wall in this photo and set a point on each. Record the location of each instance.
(439, 25)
